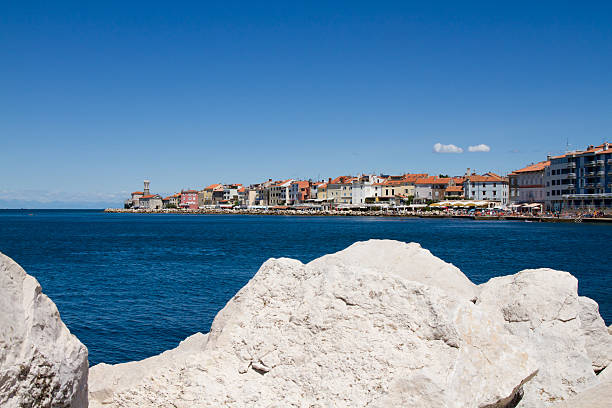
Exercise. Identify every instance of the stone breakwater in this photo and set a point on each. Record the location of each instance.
(356, 213)
(379, 324)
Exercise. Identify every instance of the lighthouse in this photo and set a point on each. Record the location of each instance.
(146, 187)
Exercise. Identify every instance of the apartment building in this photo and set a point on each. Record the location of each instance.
(527, 185)
(279, 192)
(489, 187)
(339, 190)
(580, 180)
(299, 191)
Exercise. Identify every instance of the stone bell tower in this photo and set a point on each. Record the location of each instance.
(146, 187)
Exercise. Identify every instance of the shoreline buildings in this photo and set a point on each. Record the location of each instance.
(579, 180)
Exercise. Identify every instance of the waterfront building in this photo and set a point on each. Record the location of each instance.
(365, 187)
(211, 195)
(189, 199)
(279, 192)
(432, 188)
(314, 187)
(251, 196)
(242, 196)
(299, 191)
(488, 187)
(454, 192)
(580, 180)
(150, 202)
(262, 193)
(526, 185)
(173, 201)
(423, 189)
(134, 200)
(339, 190)
(322, 192)
(396, 190)
(230, 193)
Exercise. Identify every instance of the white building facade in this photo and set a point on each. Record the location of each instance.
(489, 187)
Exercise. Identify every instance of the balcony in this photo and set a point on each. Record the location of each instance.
(601, 162)
(589, 185)
(609, 161)
(590, 164)
(601, 173)
(590, 174)
(571, 165)
(571, 176)
(571, 186)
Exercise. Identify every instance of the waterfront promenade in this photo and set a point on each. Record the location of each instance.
(369, 213)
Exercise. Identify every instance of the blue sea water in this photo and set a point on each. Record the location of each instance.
(130, 286)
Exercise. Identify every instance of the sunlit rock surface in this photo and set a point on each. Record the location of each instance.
(379, 324)
(41, 363)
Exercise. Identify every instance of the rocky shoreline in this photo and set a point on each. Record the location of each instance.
(379, 324)
(355, 213)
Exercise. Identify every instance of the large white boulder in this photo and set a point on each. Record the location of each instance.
(598, 396)
(598, 341)
(383, 331)
(407, 261)
(106, 380)
(542, 307)
(41, 363)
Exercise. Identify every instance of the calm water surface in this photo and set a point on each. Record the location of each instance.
(130, 286)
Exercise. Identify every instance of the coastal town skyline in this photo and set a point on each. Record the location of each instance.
(97, 98)
(60, 200)
(577, 181)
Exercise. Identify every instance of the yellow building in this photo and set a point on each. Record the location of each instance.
(322, 192)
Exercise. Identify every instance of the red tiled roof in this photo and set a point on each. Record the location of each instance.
(533, 167)
(425, 180)
(343, 180)
(213, 186)
(414, 177)
(137, 192)
(393, 182)
(601, 149)
(148, 196)
(454, 188)
(484, 179)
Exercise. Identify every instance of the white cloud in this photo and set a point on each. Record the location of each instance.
(449, 148)
(479, 148)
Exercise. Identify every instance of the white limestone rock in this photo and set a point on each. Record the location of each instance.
(542, 307)
(598, 341)
(41, 363)
(598, 396)
(408, 261)
(105, 380)
(383, 331)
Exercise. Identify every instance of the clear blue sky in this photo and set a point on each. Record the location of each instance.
(96, 97)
